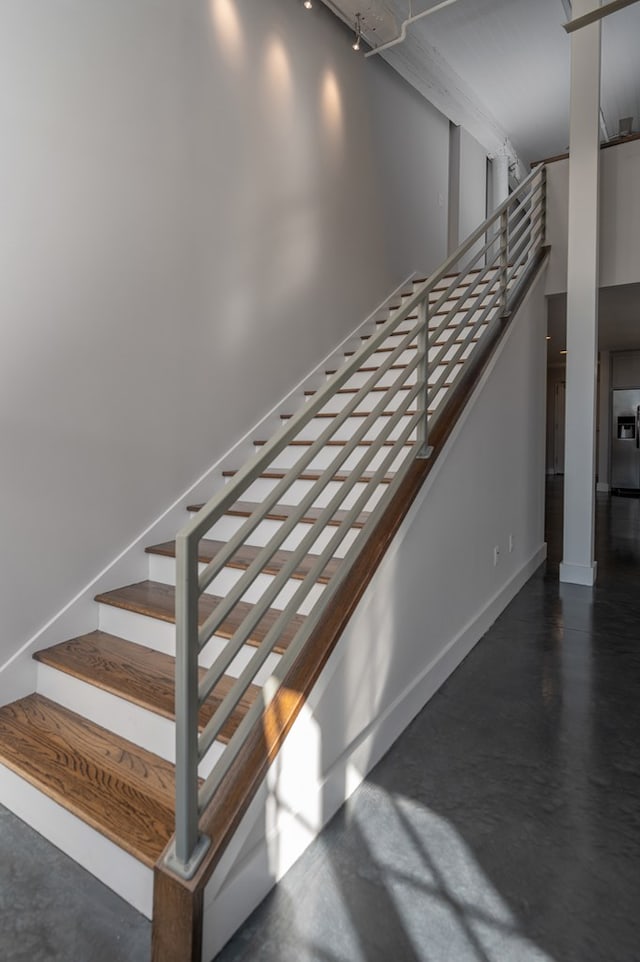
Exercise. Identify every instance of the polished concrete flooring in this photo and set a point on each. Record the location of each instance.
(503, 826)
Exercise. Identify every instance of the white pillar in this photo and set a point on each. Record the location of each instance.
(604, 421)
(578, 565)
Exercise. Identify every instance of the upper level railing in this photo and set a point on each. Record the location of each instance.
(428, 338)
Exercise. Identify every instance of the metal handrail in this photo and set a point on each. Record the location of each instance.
(422, 361)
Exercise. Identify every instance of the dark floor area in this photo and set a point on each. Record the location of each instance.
(51, 910)
(503, 826)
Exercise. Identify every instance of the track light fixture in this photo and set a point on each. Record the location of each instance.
(358, 28)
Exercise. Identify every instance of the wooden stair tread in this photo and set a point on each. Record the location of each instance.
(378, 388)
(334, 443)
(364, 476)
(118, 788)
(354, 414)
(448, 343)
(138, 674)
(398, 333)
(157, 600)
(281, 512)
(245, 555)
(370, 369)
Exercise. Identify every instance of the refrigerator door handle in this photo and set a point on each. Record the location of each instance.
(638, 426)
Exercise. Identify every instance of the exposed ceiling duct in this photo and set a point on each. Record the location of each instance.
(412, 18)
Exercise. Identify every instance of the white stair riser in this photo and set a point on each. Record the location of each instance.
(261, 488)
(367, 402)
(227, 526)
(145, 728)
(118, 870)
(164, 570)
(394, 340)
(161, 636)
(315, 428)
(377, 358)
(327, 456)
(360, 378)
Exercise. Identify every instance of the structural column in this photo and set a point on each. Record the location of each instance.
(578, 565)
(604, 415)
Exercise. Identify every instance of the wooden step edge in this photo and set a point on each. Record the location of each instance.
(399, 367)
(305, 443)
(243, 509)
(370, 370)
(141, 676)
(442, 312)
(364, 477)
(103, 779)
(439, 289)
(377, 389)
(156, 600)
(354, 414)
(401, 333)
(410, 347)
(208, 549)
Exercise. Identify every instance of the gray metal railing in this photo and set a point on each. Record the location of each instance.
(421, 351)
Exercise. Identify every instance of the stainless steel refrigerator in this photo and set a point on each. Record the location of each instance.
(625, 441)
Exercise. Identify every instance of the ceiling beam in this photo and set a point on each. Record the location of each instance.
(612, 7)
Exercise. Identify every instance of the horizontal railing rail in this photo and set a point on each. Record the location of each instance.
(371, 439)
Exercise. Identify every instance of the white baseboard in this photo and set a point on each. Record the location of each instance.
(577, 574)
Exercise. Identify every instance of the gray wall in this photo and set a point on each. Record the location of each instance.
(196, 207)
(467, 186)
(619, 217)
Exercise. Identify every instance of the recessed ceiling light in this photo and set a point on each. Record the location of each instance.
(307, 4)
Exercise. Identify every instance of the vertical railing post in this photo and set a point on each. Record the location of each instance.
(424, 448)
(543, 205)
(189, 846)
(504, 259)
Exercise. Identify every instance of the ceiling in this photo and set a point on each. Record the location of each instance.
(501, 67)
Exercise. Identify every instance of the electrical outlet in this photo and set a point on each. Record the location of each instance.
(496, 555)
(511, 543)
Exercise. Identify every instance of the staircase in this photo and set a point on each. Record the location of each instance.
(88, 759)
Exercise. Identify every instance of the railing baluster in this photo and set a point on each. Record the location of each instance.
(424, 449)
(189, 845)
(504, 258)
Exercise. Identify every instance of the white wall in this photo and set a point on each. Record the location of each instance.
(435, 594)
(619, 217)
(467, 186)
(192, 216)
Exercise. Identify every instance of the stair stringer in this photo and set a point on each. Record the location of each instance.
(79, 614)
(412, 628)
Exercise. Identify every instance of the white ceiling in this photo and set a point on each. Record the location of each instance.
(501, 67)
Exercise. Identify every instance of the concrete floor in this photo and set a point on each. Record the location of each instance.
(503, 826)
